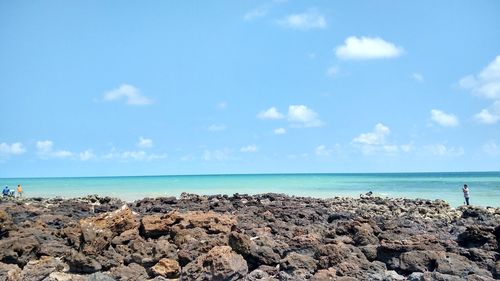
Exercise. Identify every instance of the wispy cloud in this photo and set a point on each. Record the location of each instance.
(490, 115)
(249, 148)
(217, 128)
(376, 141)
(324, 151)
(130, 94)
(45, 150)
(217, 154)
(222, 105)
(256, 13)
(270, 113)
(15, 148)
(443, 150)
(332, 71)
(491, 148)
(145, 143)
(87, 155)
(444, 119)
(486, 84)
(364, 48)
(304, 21)
(417, 77)
(279, 131)
(133, 155)
(299, 116)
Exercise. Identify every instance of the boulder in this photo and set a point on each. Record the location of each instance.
(294, 262)
(79, 263)
(131, 272)
(39, 269)
(9, 272)
(220, 263)
(167, 268)
(419, 261)
(97, 232)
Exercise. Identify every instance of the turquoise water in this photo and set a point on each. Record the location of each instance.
(484, 186)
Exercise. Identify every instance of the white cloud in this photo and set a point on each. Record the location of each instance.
(217, 155)
(332, 71)
(145, 143)
(417, 77)
(490, 115)
(363, 48)
(491, 148)
(304, 21)
(255, 13)
(129, 93)
(375, 141)
(15, 148)
(485, 84)
(271, 113)
(217, 128)
(322, 150)
(376, 137)
(443, 150)
(444, 119)
(45, 149)
(135, 155)
(249, 148)
(302, 116)
(279, 131)
(87, 155)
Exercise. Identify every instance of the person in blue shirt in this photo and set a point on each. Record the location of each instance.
(6, 191)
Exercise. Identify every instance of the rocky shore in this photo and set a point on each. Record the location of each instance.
(241, 237)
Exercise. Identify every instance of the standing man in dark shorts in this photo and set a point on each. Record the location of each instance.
(465, 189)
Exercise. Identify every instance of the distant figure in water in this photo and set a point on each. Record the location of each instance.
(465, 189)
(19, 190)
(368, 194)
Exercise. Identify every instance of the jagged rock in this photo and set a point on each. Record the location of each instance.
(79, 263)
(97, 232)
(294, 261)
(220, 263)
(39, 269)
(167, 268)
(420, 261)
(9, 272)
(155, 226)
(274, 236)
(131, 272)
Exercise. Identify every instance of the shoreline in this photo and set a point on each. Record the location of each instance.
(247, 237)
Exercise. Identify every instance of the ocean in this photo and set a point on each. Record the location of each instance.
(484, 186)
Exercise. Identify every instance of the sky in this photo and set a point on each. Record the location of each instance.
(98, 88)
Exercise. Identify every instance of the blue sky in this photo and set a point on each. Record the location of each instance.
(194, 87)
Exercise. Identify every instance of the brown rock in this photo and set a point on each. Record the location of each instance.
(220, 263)
(9, 272)
(167, 268)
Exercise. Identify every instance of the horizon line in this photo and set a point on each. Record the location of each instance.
(249, 174)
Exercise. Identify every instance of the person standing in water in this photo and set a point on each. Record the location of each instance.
(19, 190)
(465, 189)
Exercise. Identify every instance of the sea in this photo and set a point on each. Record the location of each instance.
(484, 186)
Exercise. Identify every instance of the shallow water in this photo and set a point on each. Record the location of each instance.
(484, 186)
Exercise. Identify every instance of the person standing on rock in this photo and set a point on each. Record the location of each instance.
(465, 189)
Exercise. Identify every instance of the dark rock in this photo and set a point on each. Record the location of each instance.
(131, 272)
(79, 263)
